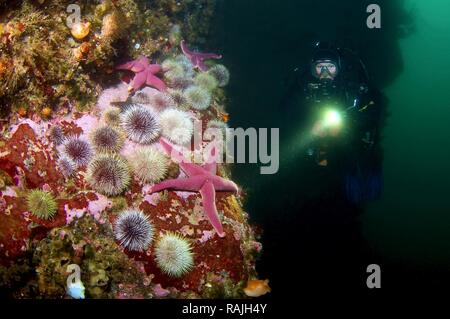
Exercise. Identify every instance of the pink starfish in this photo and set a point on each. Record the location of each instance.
(197, 58)
(144, 74)
(201, 179)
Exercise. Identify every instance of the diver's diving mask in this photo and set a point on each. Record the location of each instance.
(325, 70)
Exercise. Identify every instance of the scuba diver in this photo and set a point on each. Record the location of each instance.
(340, 116)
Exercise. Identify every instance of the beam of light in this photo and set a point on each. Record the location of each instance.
(296, 147)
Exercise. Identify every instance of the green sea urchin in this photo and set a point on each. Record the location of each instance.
(108, 174)
(178, 97)
(177, 126)
(181, 83)
(141, 124)
(186, 64)
(206, 81)
(173, 255)
(221, 73)
(111, 116)
(78, 150)
(42, 204)
(107, 139)
(149, 165)
(178, 71)
(134, 230)
(198, 98)
(172, 70)
(178, 67)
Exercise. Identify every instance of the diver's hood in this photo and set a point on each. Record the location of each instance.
(325, 51)
(327, 55)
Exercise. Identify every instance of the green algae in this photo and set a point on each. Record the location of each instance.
(91, 246)
(222, 287)
(42, 66)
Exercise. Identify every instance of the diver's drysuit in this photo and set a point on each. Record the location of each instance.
(347, 138)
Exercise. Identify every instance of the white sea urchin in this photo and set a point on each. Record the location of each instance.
(149, 165)
(173, 255)
(176, 126)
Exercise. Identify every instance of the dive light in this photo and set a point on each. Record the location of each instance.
(332, 118)
(329, 122)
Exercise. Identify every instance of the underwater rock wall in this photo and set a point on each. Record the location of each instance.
(86, 172)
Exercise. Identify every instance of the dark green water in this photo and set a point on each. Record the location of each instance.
(408, 230)
(412, 221)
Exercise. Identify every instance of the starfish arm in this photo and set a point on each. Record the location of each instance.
(143, 60)
(211, 168)
(154, 68)
(201, 57)
(172, 151)
(126, 66)
(134, 66)
(138, 81)
(191, 184)
(207, 56)
(192, 169)
(209, 206)
(224, 185)
(211, 162)
(189, 168)
(185, 49)
(141, 65)
(156, 83)
(137, 68)
(202, 66)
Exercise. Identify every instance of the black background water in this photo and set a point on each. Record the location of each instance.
(312, 237)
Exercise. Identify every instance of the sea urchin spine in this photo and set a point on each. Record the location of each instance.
(133, 230)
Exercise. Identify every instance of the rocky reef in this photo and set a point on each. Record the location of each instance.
(90, 170)
(46, 64)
